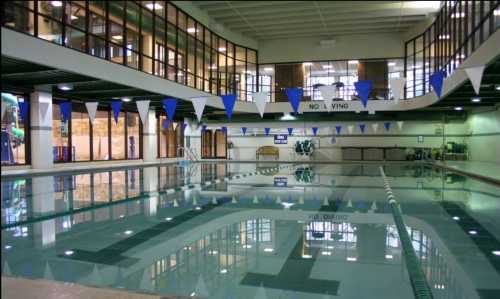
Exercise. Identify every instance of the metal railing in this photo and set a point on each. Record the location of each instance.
(459, 29)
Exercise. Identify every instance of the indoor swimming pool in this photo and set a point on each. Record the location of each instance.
(246, 230)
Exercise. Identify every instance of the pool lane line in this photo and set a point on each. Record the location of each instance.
(169, 191)
(419, 284)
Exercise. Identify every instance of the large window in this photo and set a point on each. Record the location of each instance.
(170, 138)
(60, 136)
(152, 36)
(14, 129)
(100, 135)
(80, 136)
(118, 138)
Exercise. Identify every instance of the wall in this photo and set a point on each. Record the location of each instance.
(484, 141)
(246, 146)
(346, 47)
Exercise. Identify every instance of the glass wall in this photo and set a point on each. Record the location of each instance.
(274, 78)
(78, 140)
(152, 36)
(14, 129)
(459, 29)
(170, 138)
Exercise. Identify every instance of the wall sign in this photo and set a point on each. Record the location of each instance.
(280, 181)
(281, 139)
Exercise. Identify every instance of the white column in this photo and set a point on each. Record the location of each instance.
(149, 148)
(150, 178)
(44, 232)
(41, 129)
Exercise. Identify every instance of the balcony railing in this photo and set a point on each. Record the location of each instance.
(459, 29)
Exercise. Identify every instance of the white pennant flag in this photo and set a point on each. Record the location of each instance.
(174, 125)
(91, 110)
(400, 124)
(255, 131)
(199, 106)
(375, 127)
(475, 75)
(143, 108)
(397, 87)
(328, 93)
(350, 128)
(260, 101)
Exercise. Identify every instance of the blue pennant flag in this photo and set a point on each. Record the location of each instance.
(290, 131)
(229, 100)
(436, 81)
(23, 109)
(363, 88)
(362, 127)
(338, 129)
(387, 126)
(315, 130)
(116, 106)
(169, 105)
(203, 128)
(267, 130)
(65, 108)
(166, 124)
(224, 129)
(244, 130)
(294, 95)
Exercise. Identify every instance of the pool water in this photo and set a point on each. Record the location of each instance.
(242, 230)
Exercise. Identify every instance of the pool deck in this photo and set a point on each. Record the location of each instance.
(13, 287)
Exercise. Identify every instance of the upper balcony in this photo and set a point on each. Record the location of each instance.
(159, 39)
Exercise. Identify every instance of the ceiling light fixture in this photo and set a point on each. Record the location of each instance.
(444, 36)
(65, 86)
(389, 256)
(458, 15)
(496, 12)
(56, 3)
(496, 252)
(456, 218)
(68, 252)
(126, 99)
(473, 232)
(497, 87)
(476, 100)
(351, 259)
(459, 108)
(128, 232)
(287, 116)
(152, 6)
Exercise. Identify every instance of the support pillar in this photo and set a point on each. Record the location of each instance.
(150, 148)
(41, 129)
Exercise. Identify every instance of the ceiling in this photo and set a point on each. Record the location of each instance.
(264, 20)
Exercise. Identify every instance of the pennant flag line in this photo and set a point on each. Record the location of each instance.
(91, 110)
(65, 108)
(244, 130)
(199, 106)
(294, 95)
(436, 81)
(328, 93)
(116, 106)
(387, 126)
(174, 125)
(362, 127)
(375, 127)
(338, 129)
(315, 130)
(397, 87)
(475, 75)
(290, 131)
(169, 105)
(143, 108)
(260, 99)
(363, 88)
(400, 124)
(228, 100)
(23, 109)
(266, 131)
(350, 129)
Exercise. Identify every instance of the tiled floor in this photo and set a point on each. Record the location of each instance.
(27, 288)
